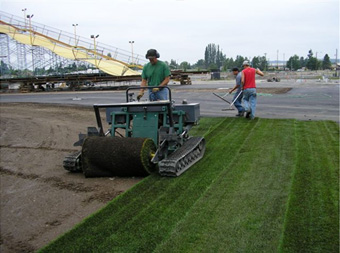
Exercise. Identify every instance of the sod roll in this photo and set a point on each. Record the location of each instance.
(114, 156)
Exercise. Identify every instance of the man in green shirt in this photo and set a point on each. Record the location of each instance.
(155, 73)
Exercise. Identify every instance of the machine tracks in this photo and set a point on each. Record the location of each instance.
(183, 158)
(72, 162)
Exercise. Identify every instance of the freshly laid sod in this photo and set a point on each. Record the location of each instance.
(262, 186)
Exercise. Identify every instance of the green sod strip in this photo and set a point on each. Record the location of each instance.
(124, 209)
(168, 209)
(242, 210)
(234, 199)
(134, 206)
(312, 219)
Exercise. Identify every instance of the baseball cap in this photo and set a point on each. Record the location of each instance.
(246, 63)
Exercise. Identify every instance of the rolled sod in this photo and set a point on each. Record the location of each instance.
(115, 156)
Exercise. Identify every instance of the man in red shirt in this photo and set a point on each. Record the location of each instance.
(249, 88)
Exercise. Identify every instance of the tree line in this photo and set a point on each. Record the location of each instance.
(215, 59)
(59, 69)
(310, 62)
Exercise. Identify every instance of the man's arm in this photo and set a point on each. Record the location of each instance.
(235, 87)
(242, 79)
(143, 83)
(141, 92)
(165, 81)
(259, 72)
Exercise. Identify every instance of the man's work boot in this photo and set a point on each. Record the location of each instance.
(240, 114)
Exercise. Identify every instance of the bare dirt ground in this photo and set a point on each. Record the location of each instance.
(39, 199)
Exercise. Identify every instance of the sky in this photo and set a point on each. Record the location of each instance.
(181, 29)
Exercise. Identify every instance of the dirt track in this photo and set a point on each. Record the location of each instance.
(39, 199)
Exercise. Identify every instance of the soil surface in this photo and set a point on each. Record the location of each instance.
(39, 199)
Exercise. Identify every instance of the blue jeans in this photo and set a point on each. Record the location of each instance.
(249, 99)
(162, 94)
(238, 102)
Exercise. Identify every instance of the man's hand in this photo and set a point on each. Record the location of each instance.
(140, 95)
(154, 90)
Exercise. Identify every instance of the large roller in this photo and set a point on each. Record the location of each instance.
(117, 156)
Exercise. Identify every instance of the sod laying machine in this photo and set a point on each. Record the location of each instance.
(142, 137)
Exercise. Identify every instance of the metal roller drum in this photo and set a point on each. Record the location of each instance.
(114, 156)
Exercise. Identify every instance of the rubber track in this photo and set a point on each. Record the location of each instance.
(72, 162)
(183, 158)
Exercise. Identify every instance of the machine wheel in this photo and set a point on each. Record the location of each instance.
(115, 156)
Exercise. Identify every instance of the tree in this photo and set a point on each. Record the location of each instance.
(255, 62)
(239, 61)
(303, 62)
(184, 65)
(4, 69)
(200, 64)
(259, 62)
(263, 63)
(210, 55)
(293, 63)
(326, 63)
(228, 64)
(173, 64)
(213, 57)
(312, 62)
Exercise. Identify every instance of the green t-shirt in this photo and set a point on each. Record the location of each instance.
(155, 74)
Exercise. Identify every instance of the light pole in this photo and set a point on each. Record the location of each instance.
(30, 26)
(131, 42)
(94, 46)
(265, 61)
(24, 10)
(284, 63)
(75, 34)
(31, 39)
(29, 18)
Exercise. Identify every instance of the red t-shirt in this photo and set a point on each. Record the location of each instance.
(249, 78)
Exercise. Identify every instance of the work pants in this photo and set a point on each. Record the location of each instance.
(249, 100)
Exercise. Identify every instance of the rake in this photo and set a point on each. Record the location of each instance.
(230, 103)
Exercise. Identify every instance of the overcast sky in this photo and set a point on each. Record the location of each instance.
(181, 29)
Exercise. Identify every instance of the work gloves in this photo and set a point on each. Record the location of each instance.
(140, 95)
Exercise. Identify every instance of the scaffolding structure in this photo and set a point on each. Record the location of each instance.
(31, 58)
